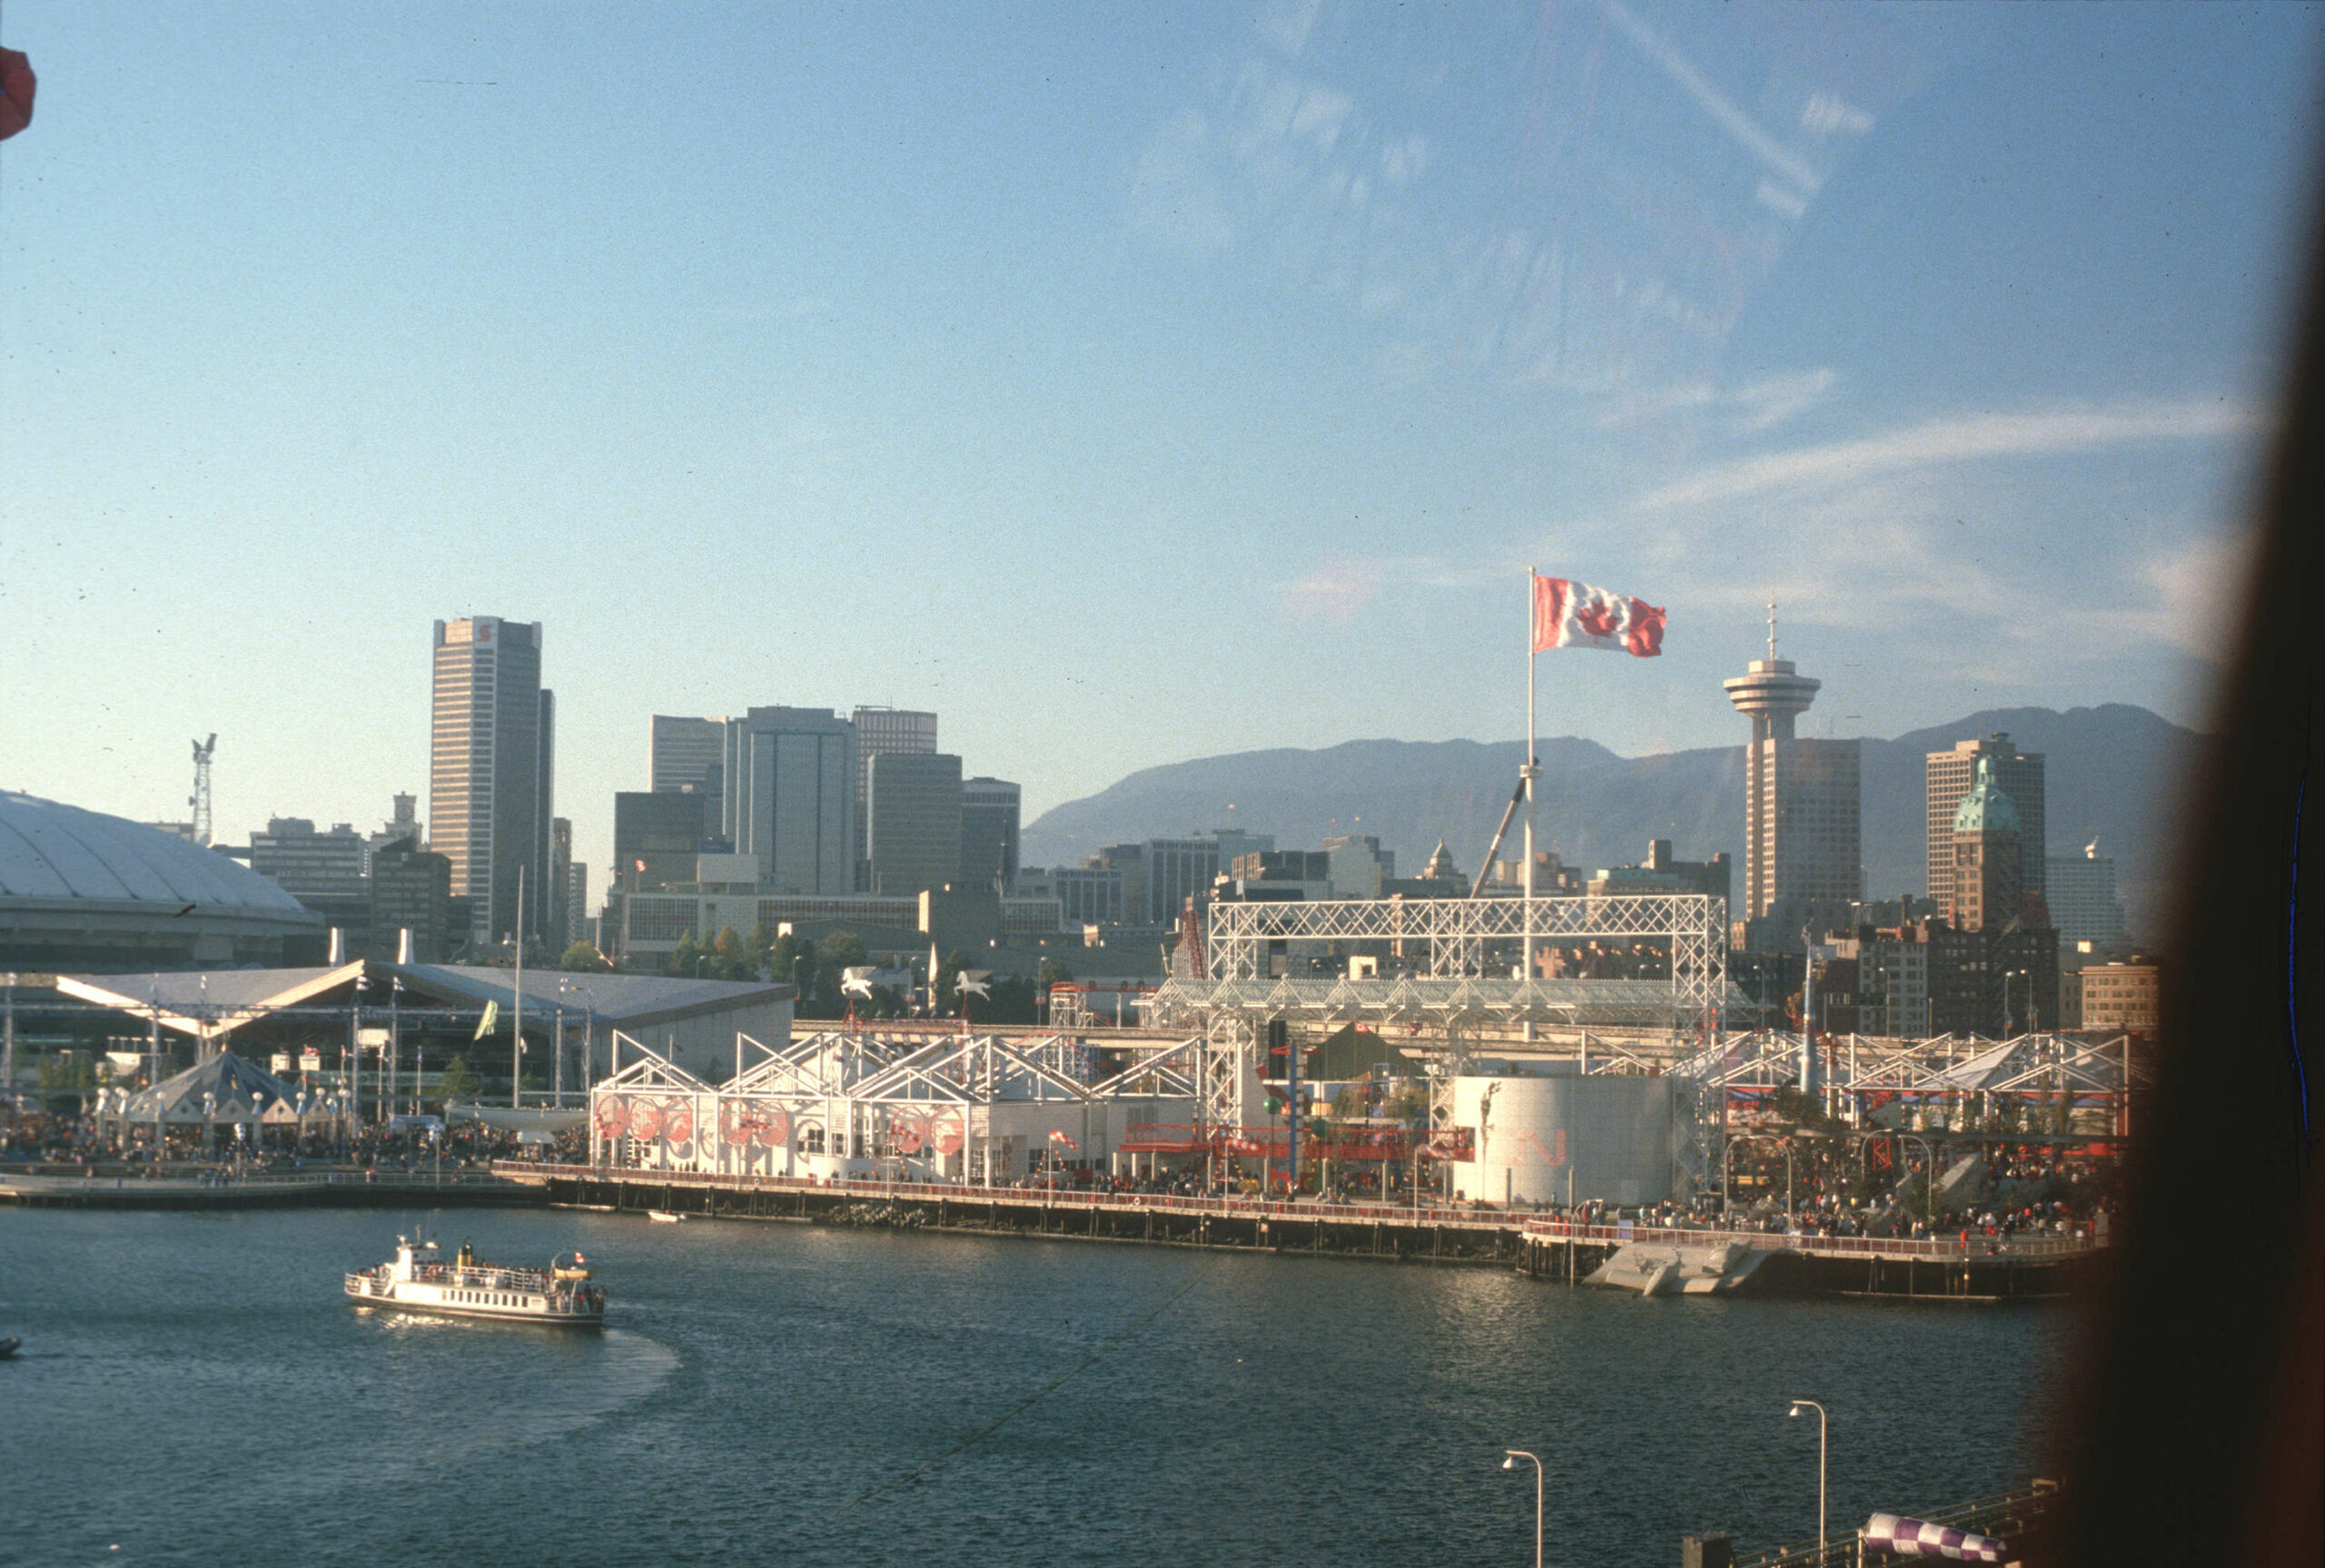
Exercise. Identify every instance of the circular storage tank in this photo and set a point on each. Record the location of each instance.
(1616, 1133)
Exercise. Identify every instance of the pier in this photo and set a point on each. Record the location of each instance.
(1552, 1249)
(301, 1189)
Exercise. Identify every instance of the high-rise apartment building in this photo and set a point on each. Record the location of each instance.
(490, 753)
(913, 830)
(989, 809)
(880, 732)
(1802, 846)
(790, 798)
(1949, 774)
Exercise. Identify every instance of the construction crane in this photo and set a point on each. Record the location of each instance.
(199, 799)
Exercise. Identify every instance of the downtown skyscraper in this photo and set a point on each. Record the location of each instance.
(491, 751)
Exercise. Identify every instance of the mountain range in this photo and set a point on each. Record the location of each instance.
(2112, 774)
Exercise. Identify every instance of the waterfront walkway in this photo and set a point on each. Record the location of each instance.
(1497, 1232)
(223, 1189)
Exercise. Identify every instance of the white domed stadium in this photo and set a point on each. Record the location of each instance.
(82, 890)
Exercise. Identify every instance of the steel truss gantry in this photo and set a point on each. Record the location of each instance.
(1450, 966)
(870, 1085)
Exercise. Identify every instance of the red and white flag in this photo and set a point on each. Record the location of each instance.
(1059, 1137)
(1571, 615)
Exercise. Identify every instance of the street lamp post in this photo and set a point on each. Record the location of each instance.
(1510, 1456)
(1797, 1407)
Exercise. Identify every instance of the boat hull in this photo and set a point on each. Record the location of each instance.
(453, 1301)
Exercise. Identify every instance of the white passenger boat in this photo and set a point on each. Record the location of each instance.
(665, 1216)
(416, 1281)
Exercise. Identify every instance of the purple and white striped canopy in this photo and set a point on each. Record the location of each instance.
(1896, 1536)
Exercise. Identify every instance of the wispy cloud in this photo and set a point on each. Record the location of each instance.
(1957, 439)
(1337, 588)
(1747, 132)
(1748, 410)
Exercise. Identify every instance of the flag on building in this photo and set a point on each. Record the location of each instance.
(1571, 615)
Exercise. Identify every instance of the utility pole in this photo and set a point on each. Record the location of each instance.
(8, 1051)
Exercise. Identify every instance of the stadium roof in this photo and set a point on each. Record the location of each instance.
(51, 851)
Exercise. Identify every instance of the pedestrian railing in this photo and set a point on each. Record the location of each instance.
(1533, 1227)
(1953, 1249)
(1071, 1197)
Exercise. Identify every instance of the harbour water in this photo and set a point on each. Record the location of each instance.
(194, 1390)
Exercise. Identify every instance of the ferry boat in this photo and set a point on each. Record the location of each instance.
(560, 1294)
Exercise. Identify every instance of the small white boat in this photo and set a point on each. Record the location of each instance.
(560, 1295)
(664, 1217)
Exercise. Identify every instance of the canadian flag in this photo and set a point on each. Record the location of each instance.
(1571, 615)
(1059, 1137)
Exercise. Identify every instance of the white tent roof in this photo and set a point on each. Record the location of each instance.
(225, 1089)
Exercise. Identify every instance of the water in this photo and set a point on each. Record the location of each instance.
(196, 1391)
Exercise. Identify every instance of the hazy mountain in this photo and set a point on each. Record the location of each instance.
(2113, 773)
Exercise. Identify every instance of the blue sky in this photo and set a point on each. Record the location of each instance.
(1126, 385)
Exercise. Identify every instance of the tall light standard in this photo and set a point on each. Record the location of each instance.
(2007, 976)
(1797, 1407)
(1510, 1456)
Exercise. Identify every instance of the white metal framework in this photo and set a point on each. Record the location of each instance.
(1450, 966)
(846, 1104)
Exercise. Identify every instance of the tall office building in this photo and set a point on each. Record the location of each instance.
(490, 768)
(790, 798)
(687, 753)
(913, 829)
(1802, 847)
(1949, 776)
(658, 835)
(2081, 890)
(989, 809)
(1177, 868)
(881, 732)
(1988, 883)
(557, 912)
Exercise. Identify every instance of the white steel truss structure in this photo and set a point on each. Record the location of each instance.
(1450, 966)
(845, 1103)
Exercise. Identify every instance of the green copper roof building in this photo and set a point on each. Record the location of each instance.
(1986, 809)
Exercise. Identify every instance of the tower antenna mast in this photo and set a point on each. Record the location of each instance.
(199, 799)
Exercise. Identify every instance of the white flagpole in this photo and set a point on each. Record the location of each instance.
(1527, 770)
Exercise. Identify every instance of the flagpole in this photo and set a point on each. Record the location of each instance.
(1528, 770)
(517, 1000)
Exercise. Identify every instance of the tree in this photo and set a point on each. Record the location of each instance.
(460, 1081)
(1051, 972)
(583, 959)
(728, 958)
(758, 951)
(682, 957)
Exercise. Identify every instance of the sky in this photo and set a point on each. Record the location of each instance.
(1125, 384)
